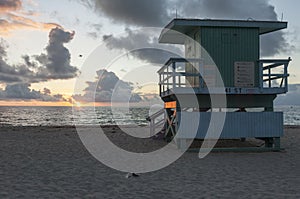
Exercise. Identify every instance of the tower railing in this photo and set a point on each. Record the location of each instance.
(173, 78)
(272, 70)
(157, 121)
(173, 74)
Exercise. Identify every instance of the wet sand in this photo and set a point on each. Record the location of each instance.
(51, 162)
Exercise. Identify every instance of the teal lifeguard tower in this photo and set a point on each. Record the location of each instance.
(250, 83)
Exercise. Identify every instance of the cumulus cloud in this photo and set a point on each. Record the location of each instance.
(23, 92)
(10, 73)
(54, 64)
(57, 58)
(160, 12)
(143, 45)
(275, 43)
(107, 87)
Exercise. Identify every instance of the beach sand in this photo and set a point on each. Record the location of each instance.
(51, 162)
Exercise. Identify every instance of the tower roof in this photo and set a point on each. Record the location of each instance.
(171, 32)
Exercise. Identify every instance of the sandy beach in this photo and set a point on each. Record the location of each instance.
(51, 162)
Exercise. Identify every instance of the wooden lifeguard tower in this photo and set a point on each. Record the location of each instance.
(249, 82)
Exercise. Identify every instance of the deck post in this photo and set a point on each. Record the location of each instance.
(270, 81)
(269, 109)
(173, 74)
(269, 142)
(286, 77)
(277, 143)
(152, 128)
(261, 71)
(160, 85)
(182, 144)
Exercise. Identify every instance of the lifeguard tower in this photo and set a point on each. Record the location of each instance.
(250, 83)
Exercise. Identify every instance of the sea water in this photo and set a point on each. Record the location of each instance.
(64, 116)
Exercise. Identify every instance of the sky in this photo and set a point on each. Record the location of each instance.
(54, 52)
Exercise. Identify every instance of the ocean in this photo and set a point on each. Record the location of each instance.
(63, 116)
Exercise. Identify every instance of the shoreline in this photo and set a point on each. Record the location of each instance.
(107, 126)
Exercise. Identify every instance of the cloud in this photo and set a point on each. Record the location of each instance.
(160, 12)
(143, 45)
(107, 87)
(11, 18)
(133, 12)
(10, 5)
(57, 59)
(291, 98)
(10, 73)
(275, 43)
(95, 32)
(54, 64)
(230, 9)
(14, 22)
(23, 92)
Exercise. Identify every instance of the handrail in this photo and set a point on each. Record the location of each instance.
(177, 60)
(268, 77)
(170, 77)
(275, 60)
(153, 123)
(157, 114)
(174, 77)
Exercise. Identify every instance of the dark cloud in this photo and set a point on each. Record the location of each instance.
(3, 47)
(28, 62)
(229, 9)
(160, 12)
(47, 91)
(108, 88)
(291, 98)
(143, 46)
(58, 58)
(93, 35)
(54, 64)
(274, 43)
(88, 3)
(23, 92)
(134, 12)
(10, 5)
(10, 73)
(95, 32)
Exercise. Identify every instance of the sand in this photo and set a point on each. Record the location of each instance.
(51, 162)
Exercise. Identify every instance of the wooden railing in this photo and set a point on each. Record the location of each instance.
(273, 70)
(157, 121)
(173, 75)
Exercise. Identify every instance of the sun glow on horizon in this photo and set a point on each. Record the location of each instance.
(33, 103)
(77, 104)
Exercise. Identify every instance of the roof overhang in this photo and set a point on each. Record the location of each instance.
(174, 32)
